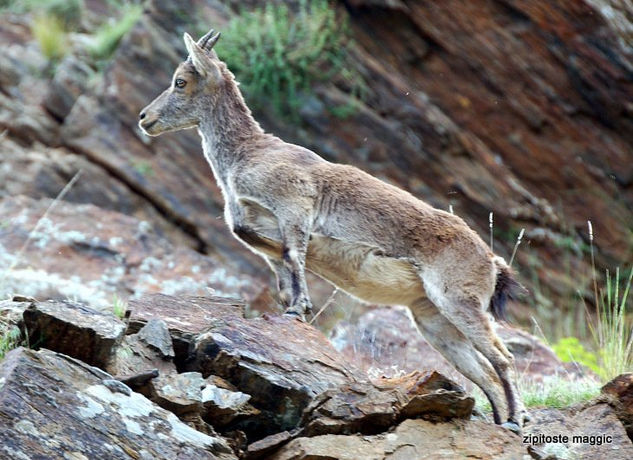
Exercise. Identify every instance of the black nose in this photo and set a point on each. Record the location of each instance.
(142, 115)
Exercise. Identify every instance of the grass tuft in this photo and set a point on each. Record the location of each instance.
(119, 306)
(51, 36)
(612, 329)
(555, 392)
(10, 338)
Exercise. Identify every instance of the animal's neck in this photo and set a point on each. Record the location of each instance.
(227, 131)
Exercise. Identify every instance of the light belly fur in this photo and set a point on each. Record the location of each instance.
(363, 271)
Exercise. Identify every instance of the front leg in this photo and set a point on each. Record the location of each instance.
(290, 270)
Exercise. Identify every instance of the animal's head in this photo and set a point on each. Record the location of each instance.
(192, 93)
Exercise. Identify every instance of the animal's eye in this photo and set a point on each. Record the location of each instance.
(180, 83)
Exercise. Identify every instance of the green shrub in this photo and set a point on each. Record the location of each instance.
(51, 36)
(277, 54)
(569, 349)
(108, 36)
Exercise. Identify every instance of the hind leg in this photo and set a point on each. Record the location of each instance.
(522, 412)
(469, 317)
(459, 351)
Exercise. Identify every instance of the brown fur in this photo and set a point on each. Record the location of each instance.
(371, 239)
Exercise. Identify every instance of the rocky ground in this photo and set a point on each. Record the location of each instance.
(191, 377)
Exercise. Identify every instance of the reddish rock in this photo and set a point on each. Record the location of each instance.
(621, 388)
(369, 409)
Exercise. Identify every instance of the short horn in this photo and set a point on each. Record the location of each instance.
(205, 38)
(212, 41)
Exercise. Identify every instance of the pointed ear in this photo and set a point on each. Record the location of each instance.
(201, 61)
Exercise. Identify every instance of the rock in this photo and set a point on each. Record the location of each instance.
(185, 316)
(136, 381)
(74, 329)
(50, 403)
(266, 446)
(223, 406)
(368, 409)
(134, 357)
(593, 431)
(281, 362)
(188, 393)
(411, 439)
(385, 341)
(69, 82)
(156, 335)
(179, 393)
(117, 256)
(621, 388)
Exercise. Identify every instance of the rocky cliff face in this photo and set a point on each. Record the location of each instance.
(520, 108)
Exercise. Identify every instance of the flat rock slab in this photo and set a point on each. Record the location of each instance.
(281, 362)
(412, 439)
(74, 329)
(52, 405)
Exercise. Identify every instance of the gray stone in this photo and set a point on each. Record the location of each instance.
(156, 335)
(74, 329)
(50, 403)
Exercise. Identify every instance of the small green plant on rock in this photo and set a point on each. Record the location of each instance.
(119, 306)
(51, 36)
(10, 338)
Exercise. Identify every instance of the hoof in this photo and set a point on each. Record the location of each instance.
(526, 417)
(294, 313)
(512, 426)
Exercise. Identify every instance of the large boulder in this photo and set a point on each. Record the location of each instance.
(52, 405)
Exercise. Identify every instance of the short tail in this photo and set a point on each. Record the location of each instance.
(505, 287)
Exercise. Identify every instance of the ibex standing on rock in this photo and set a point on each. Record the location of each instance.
(372, 240)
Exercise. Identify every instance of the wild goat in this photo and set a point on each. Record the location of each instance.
(371, 239)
